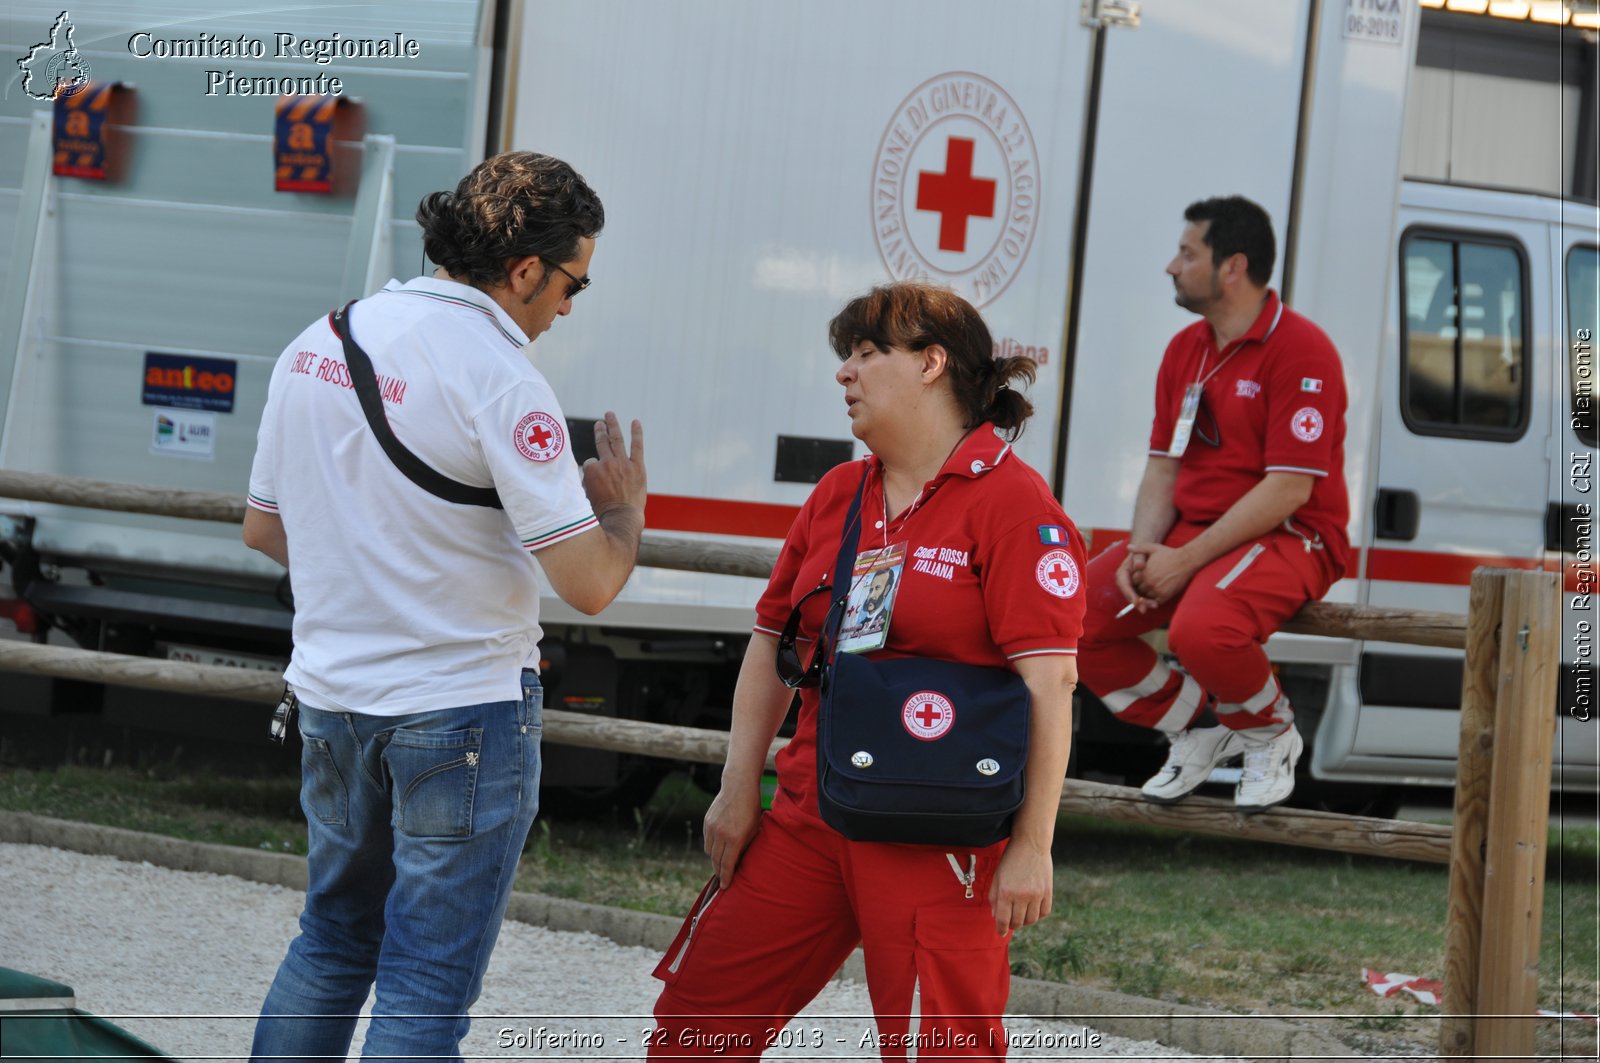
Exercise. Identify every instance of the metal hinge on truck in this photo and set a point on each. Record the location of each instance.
(1098, 13)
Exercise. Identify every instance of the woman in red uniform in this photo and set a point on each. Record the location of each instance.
(989, 571)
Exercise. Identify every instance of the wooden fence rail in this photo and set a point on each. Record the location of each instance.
(1321, 830)
(657, 551)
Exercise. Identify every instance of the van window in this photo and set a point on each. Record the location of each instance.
(1464, 370)
(1583, 321)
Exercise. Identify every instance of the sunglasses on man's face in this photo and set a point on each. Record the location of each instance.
(791, 672)
(578, 283)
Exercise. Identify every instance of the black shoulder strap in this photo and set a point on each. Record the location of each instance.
(844, 562)
(417, 471)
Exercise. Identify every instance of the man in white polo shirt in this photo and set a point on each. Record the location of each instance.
(416, 628)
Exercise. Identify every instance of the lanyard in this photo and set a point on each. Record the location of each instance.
(883, 486)
(1184, 428)
(1200, 381)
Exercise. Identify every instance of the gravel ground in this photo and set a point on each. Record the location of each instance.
(183, 960)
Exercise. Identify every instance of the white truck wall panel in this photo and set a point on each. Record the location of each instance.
(8, 211)
(194, 252)
(734, 145)
(1218, 119)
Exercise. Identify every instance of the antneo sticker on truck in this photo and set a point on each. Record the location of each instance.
(955, 187)
(186, 382)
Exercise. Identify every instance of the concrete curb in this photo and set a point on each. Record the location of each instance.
(1194, 1030)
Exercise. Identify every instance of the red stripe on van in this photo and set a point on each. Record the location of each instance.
(1419, 566)
(767, 521)
(761, 520)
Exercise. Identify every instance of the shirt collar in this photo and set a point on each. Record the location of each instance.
(464, 295)
(1266, 321)
(980, 451)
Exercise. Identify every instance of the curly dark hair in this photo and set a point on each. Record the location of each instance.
(914, 316)
(511, 205)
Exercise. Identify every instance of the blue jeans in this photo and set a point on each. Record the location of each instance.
(415, 826)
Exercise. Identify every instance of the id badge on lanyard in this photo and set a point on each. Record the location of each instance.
(874, 585)
(1185, 426)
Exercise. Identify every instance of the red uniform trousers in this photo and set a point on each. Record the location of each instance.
(750, 957)
(1216, 627)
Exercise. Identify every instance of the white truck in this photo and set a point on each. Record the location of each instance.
(760, 163)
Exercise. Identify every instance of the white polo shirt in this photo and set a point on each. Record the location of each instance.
(405, 602)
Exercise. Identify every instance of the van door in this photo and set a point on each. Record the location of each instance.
(1463, 463)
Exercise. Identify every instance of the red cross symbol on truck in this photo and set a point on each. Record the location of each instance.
(955, 195)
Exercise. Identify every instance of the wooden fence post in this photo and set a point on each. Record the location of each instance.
(1519, 816)
(1464, 921)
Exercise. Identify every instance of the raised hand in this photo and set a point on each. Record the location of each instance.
(616, 477)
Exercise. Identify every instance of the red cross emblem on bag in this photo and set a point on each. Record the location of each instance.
(928, 715)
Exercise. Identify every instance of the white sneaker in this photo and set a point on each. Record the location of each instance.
(1193, 756)
(1268, 777)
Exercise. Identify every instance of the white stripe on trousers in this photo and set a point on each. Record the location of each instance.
(1258, 701)
(1238, 569)
(1119, 700)
(1183, 706)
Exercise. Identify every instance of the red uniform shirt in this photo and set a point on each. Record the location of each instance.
(994, 572)
(1274, 401)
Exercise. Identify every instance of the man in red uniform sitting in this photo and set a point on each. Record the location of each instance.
(1240, 518)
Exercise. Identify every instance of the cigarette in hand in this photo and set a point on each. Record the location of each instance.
(1127, 609)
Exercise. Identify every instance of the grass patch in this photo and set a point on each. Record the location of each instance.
(1250, 927)
(649, 862)
(261, 813)
(1145, 910)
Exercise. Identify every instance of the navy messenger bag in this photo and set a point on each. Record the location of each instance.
(913, 749)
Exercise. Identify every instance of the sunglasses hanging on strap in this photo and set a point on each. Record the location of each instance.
(417, 471)
(791, 672)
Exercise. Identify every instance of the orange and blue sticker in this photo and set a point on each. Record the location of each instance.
(302, 143)
(80, 130)
(189, 383)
